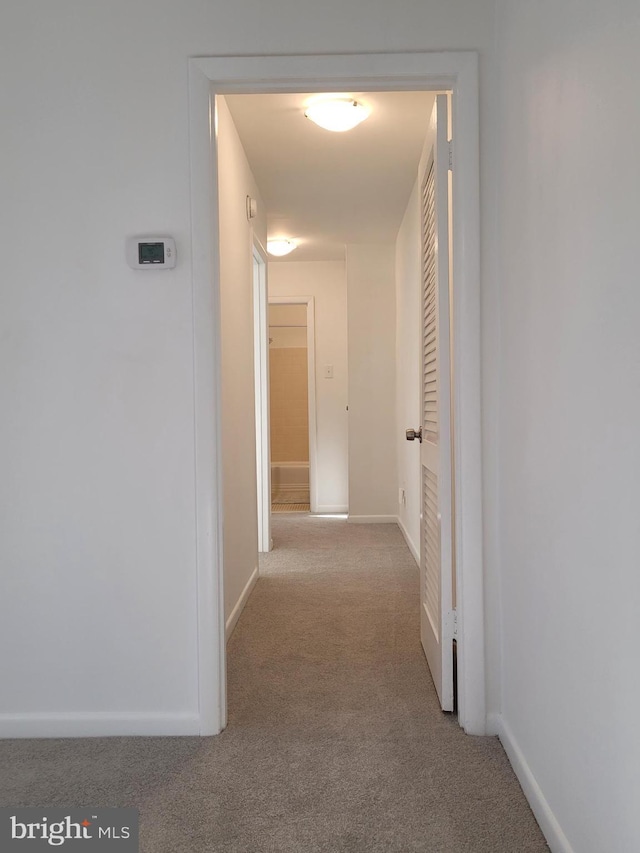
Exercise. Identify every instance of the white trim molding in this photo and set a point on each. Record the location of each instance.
(410, 543)
(261, 385)
(98, 724)
(540, 807)
(232, 621)
(205, 266)
(456, 71)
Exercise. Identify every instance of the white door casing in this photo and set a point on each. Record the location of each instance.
(437, 71)
(261, 368)
(436, 522)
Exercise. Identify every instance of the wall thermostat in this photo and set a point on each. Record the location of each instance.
(148, 253)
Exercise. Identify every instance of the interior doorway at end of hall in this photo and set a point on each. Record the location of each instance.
(291, 409)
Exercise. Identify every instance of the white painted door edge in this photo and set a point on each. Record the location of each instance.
(261, 388)
(210, 76)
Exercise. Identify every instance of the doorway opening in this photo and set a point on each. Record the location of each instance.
(389, 72)
(385, 191)
(292, 404)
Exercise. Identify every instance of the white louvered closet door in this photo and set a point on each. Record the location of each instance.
(436, 592)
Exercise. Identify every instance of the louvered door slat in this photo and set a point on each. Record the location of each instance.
(431, 535)
(431, 545)
(429, 302)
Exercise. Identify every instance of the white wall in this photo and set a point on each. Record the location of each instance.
(96, 361)
(96, 367)
(408, 363)
(372, 387)
(570, 380)
(240, 530)
(326, 282)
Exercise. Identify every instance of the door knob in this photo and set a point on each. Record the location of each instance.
(412, 434)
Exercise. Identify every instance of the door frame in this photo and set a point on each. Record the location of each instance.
(261, 386)
(311, 388)
(456, 71)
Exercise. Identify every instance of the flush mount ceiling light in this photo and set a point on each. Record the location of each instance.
(280, 247)
(337, 114)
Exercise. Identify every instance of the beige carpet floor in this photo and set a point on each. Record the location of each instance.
(335, 739)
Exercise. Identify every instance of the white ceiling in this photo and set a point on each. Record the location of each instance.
(327, 189)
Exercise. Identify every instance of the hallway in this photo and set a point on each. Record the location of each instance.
(335, 739)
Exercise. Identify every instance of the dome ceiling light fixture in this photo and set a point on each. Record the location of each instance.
(281, 247)
(337, 114)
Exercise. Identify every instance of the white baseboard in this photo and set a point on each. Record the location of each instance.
(494, 723)
(410, 543)
(98, 724)
(328, 509)
(556, 839)
(373, 519)
(244, 597)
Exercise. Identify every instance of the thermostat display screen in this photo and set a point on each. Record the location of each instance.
(151, 253)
